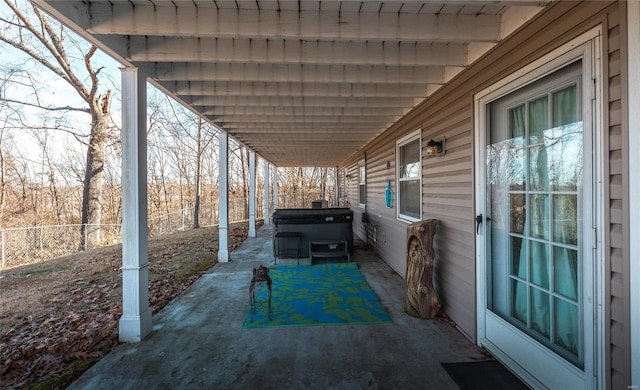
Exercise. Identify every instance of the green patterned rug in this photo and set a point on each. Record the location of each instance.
(324, 294)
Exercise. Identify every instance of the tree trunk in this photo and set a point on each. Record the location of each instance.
(94, 174)
(421, 299)
(196, 205)
(244, 160)
(323, 182)
(53, 190)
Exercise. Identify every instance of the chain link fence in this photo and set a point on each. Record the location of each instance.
(20, 246)
(33, 244)
(184, 219)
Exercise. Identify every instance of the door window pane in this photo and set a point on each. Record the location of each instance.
(567, 334)
(539, 267)
(565, 107)
(565, 219)
(540, 311)
(517, 123)
(518, 252)
(565, 271)
(539, 216)
(518, 215)
(538, 169)
(519, 304)
(516, 168)
(538, 119)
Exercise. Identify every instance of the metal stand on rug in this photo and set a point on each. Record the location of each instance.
(260, 276)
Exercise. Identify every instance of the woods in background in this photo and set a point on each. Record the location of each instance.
(60, 152)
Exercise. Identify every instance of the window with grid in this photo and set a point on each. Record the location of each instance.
(409, 185)
(362, 184)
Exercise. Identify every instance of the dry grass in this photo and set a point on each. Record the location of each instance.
(59, 317)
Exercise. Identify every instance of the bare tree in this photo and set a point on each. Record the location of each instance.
(298, 187)
(179, 142)
(239, 181)
(49, 43)
(200, 146)
(4, 156)
(49, 175)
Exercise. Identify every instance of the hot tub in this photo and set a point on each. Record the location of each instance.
(326, 224)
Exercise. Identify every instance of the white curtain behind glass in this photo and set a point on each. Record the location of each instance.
(554, 165)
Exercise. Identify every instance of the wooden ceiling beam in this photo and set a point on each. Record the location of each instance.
(292, 51)
(289, 101)
(125, 18)
(294, 89)
(305, 73)
(334, 119)
(298, 111)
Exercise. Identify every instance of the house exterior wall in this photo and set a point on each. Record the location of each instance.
(618, 360)
(448, 181)
(633, 100)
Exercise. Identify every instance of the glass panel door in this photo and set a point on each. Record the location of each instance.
(534, 193)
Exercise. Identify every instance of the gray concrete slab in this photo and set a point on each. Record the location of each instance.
(198, 341)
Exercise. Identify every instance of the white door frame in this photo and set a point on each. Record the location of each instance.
(536, 70)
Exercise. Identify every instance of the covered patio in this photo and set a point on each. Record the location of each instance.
(374, 89)
(198, 341)
(300, 84)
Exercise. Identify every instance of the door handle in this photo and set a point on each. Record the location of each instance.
(479, 220)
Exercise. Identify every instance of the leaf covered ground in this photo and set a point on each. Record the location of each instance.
(57, 318)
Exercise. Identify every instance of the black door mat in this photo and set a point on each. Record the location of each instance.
(486, 374)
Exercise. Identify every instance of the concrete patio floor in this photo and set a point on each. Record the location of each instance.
(198, 341)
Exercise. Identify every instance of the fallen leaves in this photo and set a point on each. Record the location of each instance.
(42, 347)
(75, 320)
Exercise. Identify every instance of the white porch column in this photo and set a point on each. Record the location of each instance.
(267, 214)
(275, 188)
(136, 322)
(252, 194)
(223, 198)
(337, 188)
(633, 16)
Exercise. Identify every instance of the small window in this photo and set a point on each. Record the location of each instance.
(362, 184)
(409, 159)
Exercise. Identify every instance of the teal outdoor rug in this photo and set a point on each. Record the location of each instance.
(323, 294)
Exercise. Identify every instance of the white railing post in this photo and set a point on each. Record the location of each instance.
(275, 188)
(223, 198)
(252, 194)
(336, 199)
(136, 321)
(267, 217)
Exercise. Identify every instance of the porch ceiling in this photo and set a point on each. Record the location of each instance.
(303, 83)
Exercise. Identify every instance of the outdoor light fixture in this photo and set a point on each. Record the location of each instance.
(435, 148)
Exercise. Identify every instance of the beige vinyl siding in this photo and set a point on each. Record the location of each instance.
(352, 190)
(619, 361)
(448, 182)
(388, 233)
